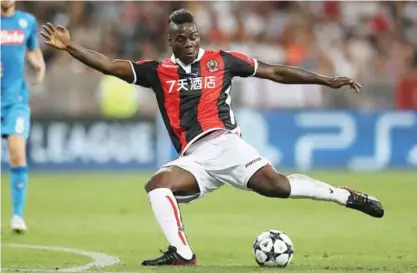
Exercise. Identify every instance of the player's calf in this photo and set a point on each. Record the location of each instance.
(18, 180)
(268, 182)
(160, 189)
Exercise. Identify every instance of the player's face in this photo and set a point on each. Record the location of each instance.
(7, 4)
(185, 42)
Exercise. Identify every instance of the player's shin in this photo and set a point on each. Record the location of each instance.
(303, 186)
(167, 213)
(18, 173)
(18, 185)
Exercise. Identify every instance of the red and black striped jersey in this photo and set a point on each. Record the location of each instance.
(195, 99)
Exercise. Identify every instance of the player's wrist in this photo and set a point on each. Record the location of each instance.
(327, 81)
(70, 45)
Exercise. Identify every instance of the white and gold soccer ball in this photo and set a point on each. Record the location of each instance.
(273, 248)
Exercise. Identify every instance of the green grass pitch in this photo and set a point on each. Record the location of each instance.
(110, 213)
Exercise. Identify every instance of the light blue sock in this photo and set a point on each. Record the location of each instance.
(18, 185)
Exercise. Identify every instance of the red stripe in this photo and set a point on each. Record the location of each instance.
(243, 57)
(208, 113)
(167, 76)
(183, 140)
(182, 237)
(143, 61)
(177, 218)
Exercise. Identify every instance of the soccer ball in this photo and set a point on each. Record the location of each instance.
(273, 248)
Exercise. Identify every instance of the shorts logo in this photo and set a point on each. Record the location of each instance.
(212, 66)
(253, 161)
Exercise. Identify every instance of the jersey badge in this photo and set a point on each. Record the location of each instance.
(212, 66)
(23, 23)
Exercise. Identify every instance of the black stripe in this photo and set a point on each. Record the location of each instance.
(189, 100)
(222, 107)
(160, 97)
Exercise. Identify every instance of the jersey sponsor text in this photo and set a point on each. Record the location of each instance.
(12, 37)
(192, 84)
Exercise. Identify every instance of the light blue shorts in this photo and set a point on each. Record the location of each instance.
(15, 120)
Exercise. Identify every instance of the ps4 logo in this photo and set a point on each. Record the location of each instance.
(347, 134)
(306, 140)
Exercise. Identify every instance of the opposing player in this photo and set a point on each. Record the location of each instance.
(192, 88)
(18, 44)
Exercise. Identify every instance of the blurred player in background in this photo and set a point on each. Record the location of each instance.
(18, 44)
(193, 93)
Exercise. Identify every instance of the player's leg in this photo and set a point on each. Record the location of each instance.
(241, 165)
(160, 189)
(16, 129)
(268, 182)
(177, 181)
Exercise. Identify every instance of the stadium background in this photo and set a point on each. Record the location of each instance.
(372, 42)
(89, 129)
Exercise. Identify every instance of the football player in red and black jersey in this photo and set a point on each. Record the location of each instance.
(192, 88)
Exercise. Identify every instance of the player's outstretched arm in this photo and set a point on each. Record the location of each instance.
(59, 38)
(294, 75)
(37, 62)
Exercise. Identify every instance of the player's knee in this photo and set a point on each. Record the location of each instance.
(161, 179)
(17, 159)
(278, 184)
(17, 156)
(178, 180)
(270, 183)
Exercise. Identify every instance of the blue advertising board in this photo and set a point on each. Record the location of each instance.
(308, 140)
(65, 144)
(302, 140)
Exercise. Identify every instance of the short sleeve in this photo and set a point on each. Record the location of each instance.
(240, 64)
(143, 72)
(32, 41)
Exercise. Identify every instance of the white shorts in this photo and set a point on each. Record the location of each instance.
(217, 159)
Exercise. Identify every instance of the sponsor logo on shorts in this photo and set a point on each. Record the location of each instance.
(253, 161)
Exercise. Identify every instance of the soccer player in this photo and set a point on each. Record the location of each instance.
(18, 43)
(192, 88)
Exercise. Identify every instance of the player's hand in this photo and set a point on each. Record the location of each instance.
(58, 37)
(338, 82)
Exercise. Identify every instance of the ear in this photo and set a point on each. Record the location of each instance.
(169, 40)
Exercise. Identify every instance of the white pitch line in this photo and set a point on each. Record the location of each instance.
(20, 269)
(99, 259)
(6, 269)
